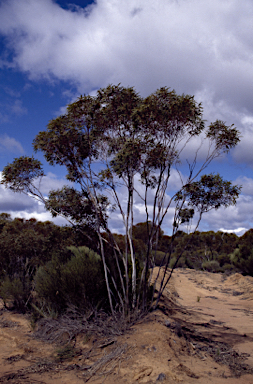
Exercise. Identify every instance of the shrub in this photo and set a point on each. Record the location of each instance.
(78, 282)
(83, 278)
(160, 258)
(246, 266)
(180, 263)
(223, 259)
(172, 262)
(13, 294)
(48, 286)
(242, 258)
(211, 265)
(227, 268)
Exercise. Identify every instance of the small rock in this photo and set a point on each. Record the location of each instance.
(161, 377)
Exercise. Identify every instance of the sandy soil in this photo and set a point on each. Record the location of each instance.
(202, 333)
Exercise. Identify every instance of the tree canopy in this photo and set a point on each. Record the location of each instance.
(114, 141)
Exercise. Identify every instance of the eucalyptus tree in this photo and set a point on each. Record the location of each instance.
(117, 140)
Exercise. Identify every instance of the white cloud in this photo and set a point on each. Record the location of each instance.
(11, 108)
(23, 206)
(198, 47)
(17, 108)
(40, 216)
(189, 45)
(235, 219)
(237, 231)
(201, 48)
(51, 182)
(243, 152)
(231, 218)
(247, 185)
(9, 144)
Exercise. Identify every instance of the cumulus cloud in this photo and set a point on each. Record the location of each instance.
(23, 206)
(246, 184)
(243, 152)
(201, 48)
(190, 45)
(50, 182)
(10, 201)
(17, 108)
(238, 231)
(196, 47)
(10, 144)
(235, 219)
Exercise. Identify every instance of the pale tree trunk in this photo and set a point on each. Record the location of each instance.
(130, 239)
(105, 271)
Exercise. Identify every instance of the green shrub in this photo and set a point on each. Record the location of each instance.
(83, 277)
(223, 259)
(246, 266)
(172, 262)
(78, 282)
(160, 258)
(228, 268)
(211, 266)
(13, 294)
(242, 258)
(235, 255)
(48, 286)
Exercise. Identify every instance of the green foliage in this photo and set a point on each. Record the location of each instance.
(24, 246)
(172, 262)
(77, 206)
(211, 266)
(78, 282)
(242, 257)
(159, 258)
(141, 231)
(223, 259)
(20, 175)
(201, 247)
(129, 137)
(211, 191)
(224, 137)
(228, 268)
(235, 255)
(14, 294)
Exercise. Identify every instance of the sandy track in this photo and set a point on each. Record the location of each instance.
(203, 333)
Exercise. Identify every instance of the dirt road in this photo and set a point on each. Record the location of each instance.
(220, 309)
(203, 333)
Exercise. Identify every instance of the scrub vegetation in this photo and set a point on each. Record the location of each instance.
(109, 143)
(42, 271)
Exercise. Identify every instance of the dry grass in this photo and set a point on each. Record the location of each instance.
(66, 328)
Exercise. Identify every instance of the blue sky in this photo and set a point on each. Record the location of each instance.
(53, 51)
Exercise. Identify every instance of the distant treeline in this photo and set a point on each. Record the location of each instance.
(47, 268)
(211, 251)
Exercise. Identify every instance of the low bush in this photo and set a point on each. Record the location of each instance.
(79, 282)
(228, 268)
(211, 266)
(14, 294)
(223, 259)
(160, 258)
